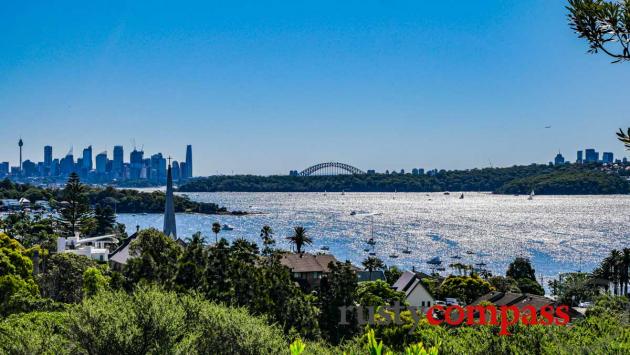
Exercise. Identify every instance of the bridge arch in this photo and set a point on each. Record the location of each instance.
(331, 168)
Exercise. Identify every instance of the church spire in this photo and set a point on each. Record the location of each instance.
(170, 228)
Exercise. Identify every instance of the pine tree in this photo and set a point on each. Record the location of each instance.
(76, 208)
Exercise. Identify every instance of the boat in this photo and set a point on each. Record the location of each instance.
(456, 257)
(371, 241)
(531, 195)
(434, 261)
(461, 197)
(372, 253)
(406, 250)
(469, 252)
(441, 269)
(343, 192)
(366, 249)
(227, 227)
(447, 193)
(393, 255)
(353, 213)
(325, 247)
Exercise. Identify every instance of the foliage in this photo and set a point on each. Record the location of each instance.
(603, 24)
(299, 238)
(568, 183)
(105, 219)
(297, 347)
(36, 333)
(154, 321)
(338, 289)
(573, 288)
(615, 268)
(63, 279)
(377, 293)
(392, 274)
(521, 268)
(157, 258)
(372, 263)
(464, 288)
(76, 209)
(94, 281)
(504, 284)
(487, 179)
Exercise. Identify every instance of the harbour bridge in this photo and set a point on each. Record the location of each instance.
(331, 168)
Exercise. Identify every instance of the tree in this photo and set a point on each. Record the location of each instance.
(338, 289)
(464, 288)
(155, 258)
(372, 263)
(63, 279)
(573, 288)
(377, 293)
(266, 233)
(94, 282)
(76, 209)
(299, 238)
(392, 274)
(521, 268)
(504, 284)
(216, 228)
(191, 264)
(105, 219)
(604, 24)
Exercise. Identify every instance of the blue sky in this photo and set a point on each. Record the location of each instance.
(267, 86)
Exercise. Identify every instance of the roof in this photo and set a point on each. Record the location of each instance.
(306, 262)
(520, 300)
(409, 281)
(375, 275)
(121, 254)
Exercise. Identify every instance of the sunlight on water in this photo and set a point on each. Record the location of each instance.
(559, 233)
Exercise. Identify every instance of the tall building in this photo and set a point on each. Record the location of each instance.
(101, 163)
(580, 157)
(591, 156)
(67, 164)
(608, 157)
(87, 159)
(4, 168)
(20, 144)
(189, 163)
(559, 159)
(176, 170)
(117, 164)
(170, 228)
(182, 170)
(136, 163)
(48, 155)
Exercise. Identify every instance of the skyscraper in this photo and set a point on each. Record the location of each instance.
(189, 163)
(117, 164)
(176, 171)
(591, 156)
(136, 163)
(559, 160)
(608, 158)
(87, 159)
(101, 163)
(580, 157)
(170, 228)
(48, 156)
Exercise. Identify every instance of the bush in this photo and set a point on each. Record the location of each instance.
(36, 333)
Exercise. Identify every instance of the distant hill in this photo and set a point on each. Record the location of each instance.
(570, 179)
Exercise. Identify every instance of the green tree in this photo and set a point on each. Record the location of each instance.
(573, 288)
(216, 228)
(155, 258)
(338, 289)
(464, 288)
(377, 293)
(63, 279)
(372, 263)
(504, 284)
(76, 209)
(94, 282)
(266, 233)
(521, 268)
(299, 238)
(105, 219)
(191, 264)
(604, 24)
(392, 274)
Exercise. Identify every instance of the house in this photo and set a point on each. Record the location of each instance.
(25, 203)
(96, 248)
(119, 257)
(9, 204)
(371, 276)
(416, 294)
(308, 269)
(521, 300)
(42, 204)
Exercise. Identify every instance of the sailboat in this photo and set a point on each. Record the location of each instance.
(406, 250)
(531, 195)
(461, 197)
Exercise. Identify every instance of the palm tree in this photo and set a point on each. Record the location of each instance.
(299, 238)
(625, 269)
(266, 233)
(373, 263)
(216, 228)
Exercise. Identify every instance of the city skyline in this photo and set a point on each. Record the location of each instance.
(267, 89)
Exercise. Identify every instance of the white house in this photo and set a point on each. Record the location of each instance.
(415, 293)
(95, 248)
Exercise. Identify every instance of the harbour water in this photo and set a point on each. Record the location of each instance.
(558, 233)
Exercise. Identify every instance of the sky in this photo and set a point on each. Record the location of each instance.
(264, 87)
